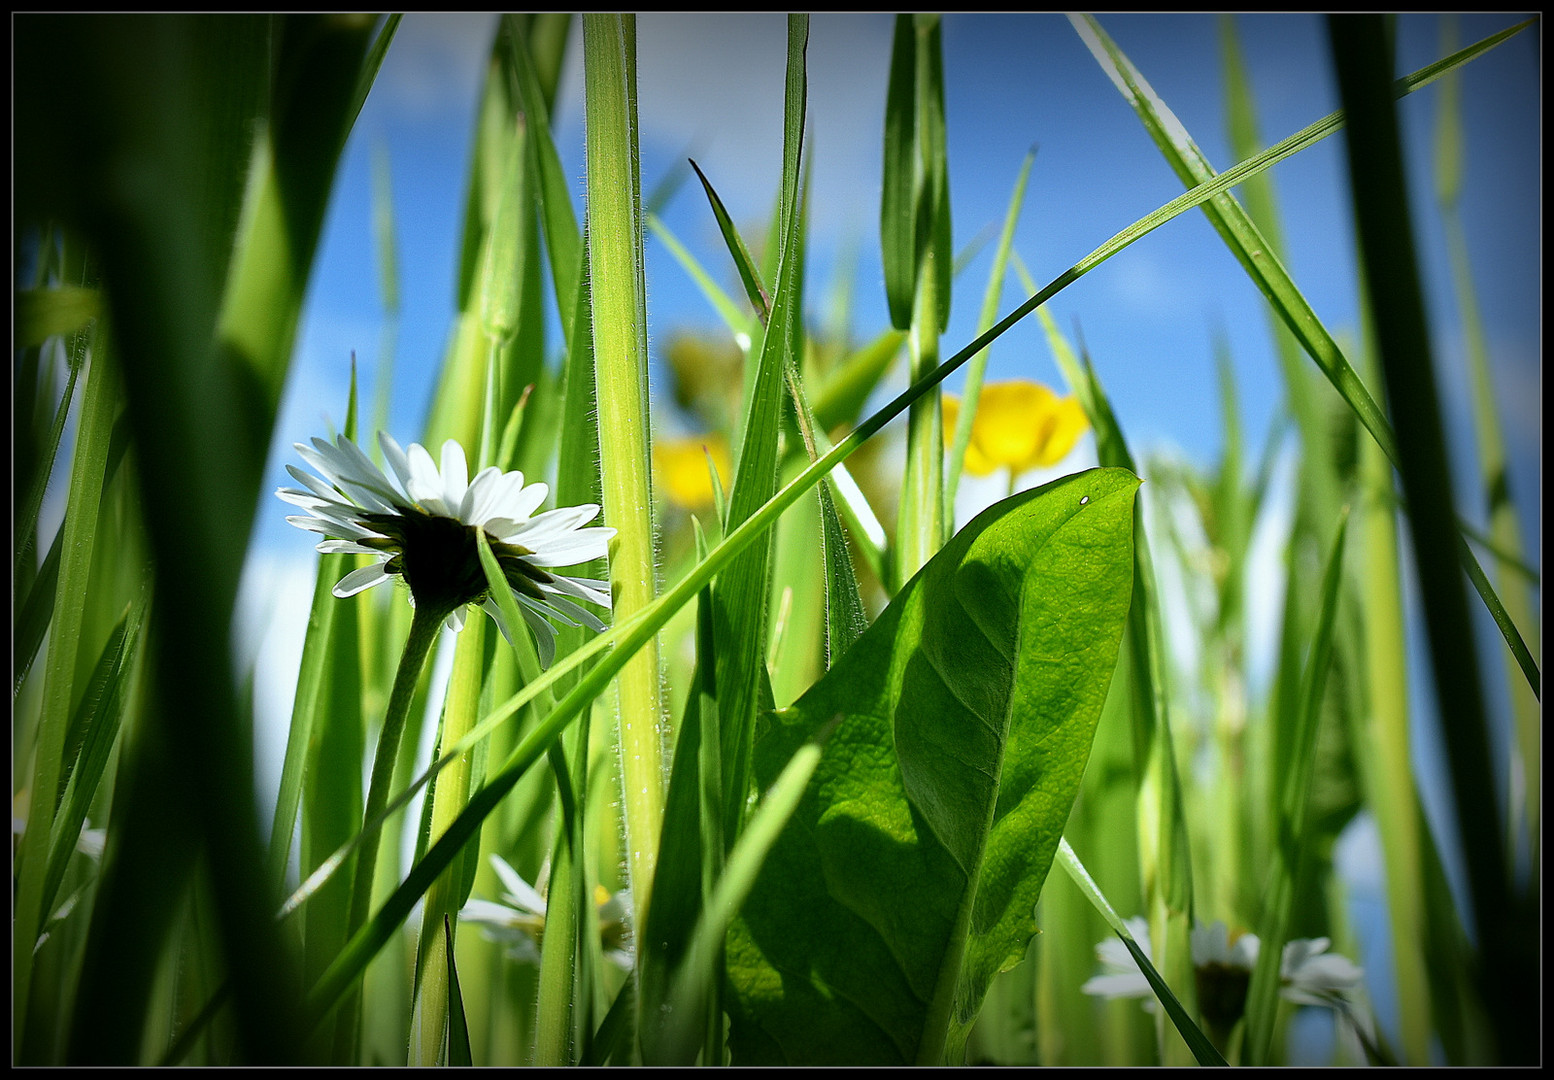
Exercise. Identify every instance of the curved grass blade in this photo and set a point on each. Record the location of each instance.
(748, 272)
(1199, 1043)
(1505, 917)
(1256, 256)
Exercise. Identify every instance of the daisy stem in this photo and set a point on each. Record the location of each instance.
(424, 625)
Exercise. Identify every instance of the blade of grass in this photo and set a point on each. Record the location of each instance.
(79, 530)
(990, 300)
(741, 594)
(1263, 994)
(1257, 257)
(1503, 919)
(1504, 528)
(620, 360)
(1201, 1047)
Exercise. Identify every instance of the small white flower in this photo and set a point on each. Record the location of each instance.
(421, 525)
(518, 920)
(1308, 973)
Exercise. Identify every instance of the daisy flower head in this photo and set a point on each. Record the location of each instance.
(420, 521)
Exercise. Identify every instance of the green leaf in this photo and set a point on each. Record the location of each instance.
(909, 873)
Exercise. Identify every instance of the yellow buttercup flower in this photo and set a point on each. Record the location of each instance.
(1019, 425)
(680, 466)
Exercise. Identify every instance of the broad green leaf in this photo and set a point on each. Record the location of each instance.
(909, 873)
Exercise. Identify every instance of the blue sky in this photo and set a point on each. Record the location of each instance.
(710, 87)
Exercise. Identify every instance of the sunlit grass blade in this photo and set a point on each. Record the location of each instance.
(1263, 995)
(974, 370)
(749, 274)
(699, 973)
(920, 524)
(620, 361)
(458, 1050)
(1255, 255)
(1504, 918)
(1196, 1040)
(741, 594)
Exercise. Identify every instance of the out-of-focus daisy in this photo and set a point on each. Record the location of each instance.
(1308, 973)
(421, 524)
(1019, 425)
(518, 919)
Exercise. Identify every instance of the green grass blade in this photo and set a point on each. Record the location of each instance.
(1504, 919)
(990, 301)
(749, 273)
(620, 360)
(741, 594)
(458, 1027)
(1256, 256)
(93, 434)
(737, 320)
(1263, 995)
(1199, 1043)
(898, 202)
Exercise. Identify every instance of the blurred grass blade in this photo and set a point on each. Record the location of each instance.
(40, 314)
(1256, 256)
(25, 533)
(1505, 920)
(898, 203)
(845, 388)
(736, 319)
(1391, 791)
(1505, 539)
(93, 735)
(1199, 1043)
(1273, 929)
(974, 370)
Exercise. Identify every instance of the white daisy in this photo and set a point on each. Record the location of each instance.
(421, 526)
(1308, 973)
(518, 919)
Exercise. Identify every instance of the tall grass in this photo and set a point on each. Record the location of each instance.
(799, 802)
